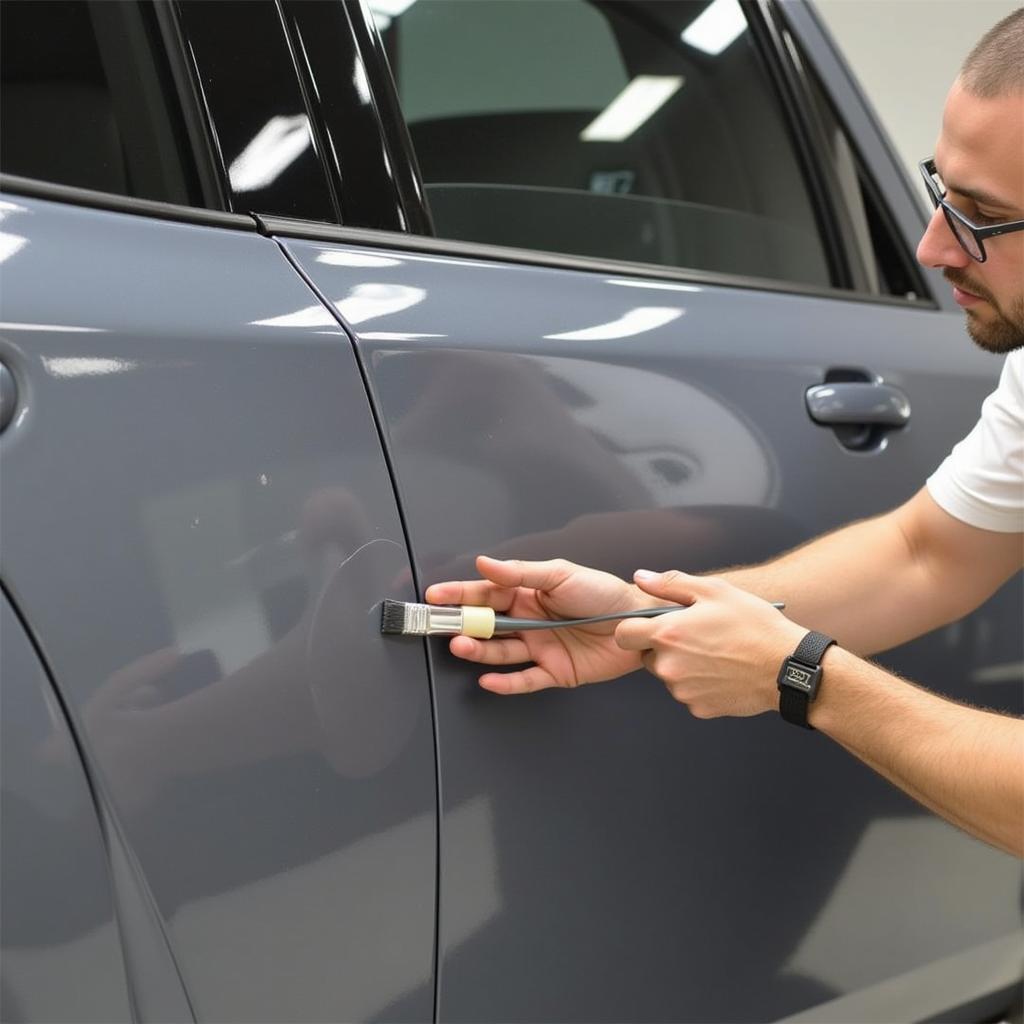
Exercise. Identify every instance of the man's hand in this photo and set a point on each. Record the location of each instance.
(718, 656)
(545, 590)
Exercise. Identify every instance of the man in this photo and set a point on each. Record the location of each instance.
(871, 585)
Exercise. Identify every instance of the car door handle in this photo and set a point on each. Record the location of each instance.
(858, 402)
(8, 396)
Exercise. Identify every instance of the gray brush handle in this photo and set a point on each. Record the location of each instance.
(504, 624)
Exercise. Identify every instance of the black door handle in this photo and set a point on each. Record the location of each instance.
(858, 403)
(8, 396)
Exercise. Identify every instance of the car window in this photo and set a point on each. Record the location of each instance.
(615, 130)
(85, 100)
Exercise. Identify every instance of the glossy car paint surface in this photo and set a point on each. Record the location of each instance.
(638, 864)
(58, 910)
(199, 526)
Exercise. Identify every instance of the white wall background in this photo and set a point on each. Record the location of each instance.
(906, 54)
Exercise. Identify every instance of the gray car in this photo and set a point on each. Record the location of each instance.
(303, 305)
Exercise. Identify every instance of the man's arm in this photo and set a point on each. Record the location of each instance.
(963, 763)
(871, 585)
(883, 581)
(720, 657)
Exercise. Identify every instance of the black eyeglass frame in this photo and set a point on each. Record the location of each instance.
(958, 222)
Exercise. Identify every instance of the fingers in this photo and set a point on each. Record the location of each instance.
(490, 652)
(636, 634)
(497, 589)
(504, 652)
(675, 585)
(526, 681)
(515, 573)
(474, 592)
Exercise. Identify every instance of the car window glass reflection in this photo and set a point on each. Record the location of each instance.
(605, 134)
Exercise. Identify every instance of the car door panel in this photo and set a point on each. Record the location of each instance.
(198, 527)
(641, 864)
(58, 908)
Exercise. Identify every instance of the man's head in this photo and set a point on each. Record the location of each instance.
(980, 158)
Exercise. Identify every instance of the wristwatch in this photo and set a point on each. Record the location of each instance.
(800, 677)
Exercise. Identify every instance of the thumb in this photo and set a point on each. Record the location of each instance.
(674, 585)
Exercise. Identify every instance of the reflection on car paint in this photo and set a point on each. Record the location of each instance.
(635, 321)
(179, 561)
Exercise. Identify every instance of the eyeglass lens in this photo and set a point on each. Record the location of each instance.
(963, 235)
(961, 232)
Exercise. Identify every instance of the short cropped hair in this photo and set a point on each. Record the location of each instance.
(996, 65)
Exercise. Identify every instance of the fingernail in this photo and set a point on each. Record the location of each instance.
(645, 574)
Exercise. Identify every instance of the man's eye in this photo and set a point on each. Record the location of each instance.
(982, 220)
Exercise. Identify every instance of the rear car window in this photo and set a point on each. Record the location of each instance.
(86, 100)
(613, 130)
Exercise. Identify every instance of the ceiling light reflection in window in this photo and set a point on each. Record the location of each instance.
(716, 27)
(384, 11)
(277, 145)
(633, 107)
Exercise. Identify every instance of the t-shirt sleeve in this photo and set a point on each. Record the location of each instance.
(981, 481)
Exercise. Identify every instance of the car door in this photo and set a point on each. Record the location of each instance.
(622, 381)
(198, 527)
(59, 919)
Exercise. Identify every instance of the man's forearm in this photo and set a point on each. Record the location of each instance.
(859, 585)
(963, 763)
(883, 581)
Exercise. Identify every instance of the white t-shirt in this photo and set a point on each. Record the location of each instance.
(981, 481)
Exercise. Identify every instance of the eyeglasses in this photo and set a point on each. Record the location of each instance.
(970, 236)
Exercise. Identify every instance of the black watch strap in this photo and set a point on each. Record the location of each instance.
(812, 648)
(795, 698)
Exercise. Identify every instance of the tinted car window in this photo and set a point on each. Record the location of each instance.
(622, 131)
(85, 101)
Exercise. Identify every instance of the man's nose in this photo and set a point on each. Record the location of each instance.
(938, 246)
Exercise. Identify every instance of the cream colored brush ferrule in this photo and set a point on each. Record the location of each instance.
(477, 622)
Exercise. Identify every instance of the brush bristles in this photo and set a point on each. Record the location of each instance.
(392, 617)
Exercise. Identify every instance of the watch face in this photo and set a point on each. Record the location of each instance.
(798, 677)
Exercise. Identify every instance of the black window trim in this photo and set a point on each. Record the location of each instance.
(317, 231)
(316, 128)
(905, 209)
(320, 231)
(73, 195)
(207, 158)
(406, 177)
(765, 29)
(804, 98)
(387, 194)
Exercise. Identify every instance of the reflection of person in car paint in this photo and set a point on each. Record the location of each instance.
(298, 696)
(871, 585)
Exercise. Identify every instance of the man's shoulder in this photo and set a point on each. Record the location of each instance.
(1015, 367)
(1011, 380)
